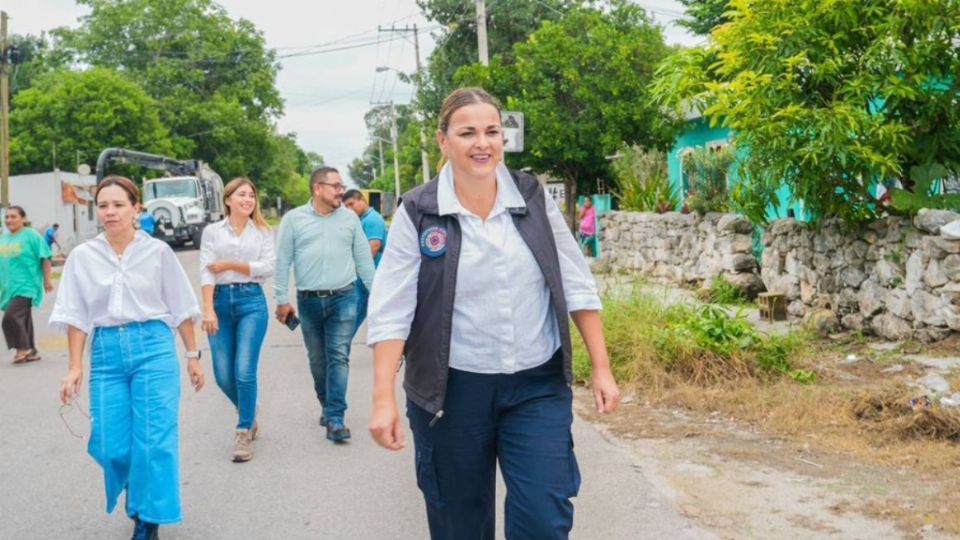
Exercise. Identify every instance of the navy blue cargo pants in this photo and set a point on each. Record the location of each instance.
(521, 420)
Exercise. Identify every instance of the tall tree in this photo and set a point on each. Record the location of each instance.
(582, 84)
(702, 16)
(37, 56)
(828, 97)
(508, 23)
(213, 76)
(66, 113)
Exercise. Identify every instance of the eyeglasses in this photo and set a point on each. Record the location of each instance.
(336, 187)
(65, 411)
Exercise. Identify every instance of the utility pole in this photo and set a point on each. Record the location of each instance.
(4, 115)
(396, 161)
(393, 139)
(380, 142)
(424, 160)
(482, 33)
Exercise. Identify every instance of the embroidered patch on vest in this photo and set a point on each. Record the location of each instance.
(433, 241)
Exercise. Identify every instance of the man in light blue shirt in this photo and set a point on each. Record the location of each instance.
(325, 244)
(375, 229)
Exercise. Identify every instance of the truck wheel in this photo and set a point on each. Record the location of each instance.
(195, 237)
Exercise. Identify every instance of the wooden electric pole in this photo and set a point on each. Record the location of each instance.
(4, 114)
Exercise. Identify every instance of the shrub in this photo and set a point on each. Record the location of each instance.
(643, 184)
(722, 291)
(650, 341)
(706, 171)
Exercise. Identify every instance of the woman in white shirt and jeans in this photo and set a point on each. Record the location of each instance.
(129, 291)
(236, 256)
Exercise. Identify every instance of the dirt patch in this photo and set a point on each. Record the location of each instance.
(743, 481)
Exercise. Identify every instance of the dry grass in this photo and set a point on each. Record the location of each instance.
(854, 410)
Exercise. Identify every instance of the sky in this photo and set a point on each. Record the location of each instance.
(326, 92)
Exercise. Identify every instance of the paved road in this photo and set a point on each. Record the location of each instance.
(298, 486)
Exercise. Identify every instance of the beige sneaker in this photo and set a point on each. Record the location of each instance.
(241, 446)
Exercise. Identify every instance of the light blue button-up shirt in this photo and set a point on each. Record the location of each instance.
(327, 251)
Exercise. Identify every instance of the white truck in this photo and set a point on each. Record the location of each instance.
(182, 203)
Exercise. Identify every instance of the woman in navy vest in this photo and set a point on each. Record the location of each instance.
(474, 290)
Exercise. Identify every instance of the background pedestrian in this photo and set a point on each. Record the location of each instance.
(129, 291)
(375, 229)
(24, 276)
(236, 256)
(328, 251)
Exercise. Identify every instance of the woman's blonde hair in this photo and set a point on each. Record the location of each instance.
(236, 184)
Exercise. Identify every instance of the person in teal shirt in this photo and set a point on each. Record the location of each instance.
(375, 229)
(24, 276)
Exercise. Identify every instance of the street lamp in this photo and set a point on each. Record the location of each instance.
(424, 160)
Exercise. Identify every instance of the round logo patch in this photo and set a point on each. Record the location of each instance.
(433, 241)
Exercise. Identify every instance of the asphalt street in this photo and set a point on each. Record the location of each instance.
(298, 486)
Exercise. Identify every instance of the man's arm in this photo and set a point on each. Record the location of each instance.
(375, 247)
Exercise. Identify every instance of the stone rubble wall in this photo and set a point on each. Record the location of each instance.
(894, 278)
(681, 248)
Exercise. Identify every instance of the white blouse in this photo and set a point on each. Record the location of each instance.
(502, 319)
(254, 246)
(99, 289)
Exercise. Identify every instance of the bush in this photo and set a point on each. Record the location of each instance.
(706, 171)
(722, 291)
(643, 182)
(650, 341)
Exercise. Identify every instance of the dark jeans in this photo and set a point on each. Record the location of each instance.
(18, 324)
(521, 420)
(363, 296)
(327, 325)
(242, 319)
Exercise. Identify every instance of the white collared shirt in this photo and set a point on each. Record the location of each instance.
(99, 289)
(253, 246)
(502, 319)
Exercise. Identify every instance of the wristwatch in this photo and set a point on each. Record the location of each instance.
(193, 355)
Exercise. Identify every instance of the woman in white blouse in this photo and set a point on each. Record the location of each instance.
(236, 256)
(476, 289)
(129, 292)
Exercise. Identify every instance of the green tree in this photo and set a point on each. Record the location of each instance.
(828, 98)
(508, 23)
(37, 56)
(68, 112)
(582, 84)
(213, 76)
(702, 16)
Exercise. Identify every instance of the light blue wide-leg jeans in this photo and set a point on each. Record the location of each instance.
(134, 401)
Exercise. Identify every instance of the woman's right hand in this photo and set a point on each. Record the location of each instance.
(209, 323)
(70, 387)
(385, 425)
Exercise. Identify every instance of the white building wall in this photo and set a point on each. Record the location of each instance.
(40, 195)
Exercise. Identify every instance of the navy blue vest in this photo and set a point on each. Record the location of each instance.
(427, 348)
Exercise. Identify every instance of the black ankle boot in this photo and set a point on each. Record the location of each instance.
(143, 530)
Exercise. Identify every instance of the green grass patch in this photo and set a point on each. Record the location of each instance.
(722, 291)
(651, 342)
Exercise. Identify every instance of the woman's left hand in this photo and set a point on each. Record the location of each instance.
(606, 394)
(196, 373)
(48, 285)
(218, 266)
